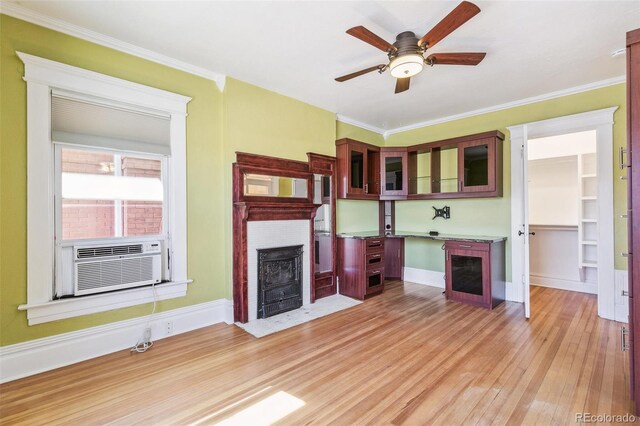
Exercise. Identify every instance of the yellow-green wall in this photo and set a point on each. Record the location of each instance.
(204, 162)
(346, 130)
(259, 121)
(493, 216)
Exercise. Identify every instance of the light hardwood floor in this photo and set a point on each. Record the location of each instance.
(404, 357)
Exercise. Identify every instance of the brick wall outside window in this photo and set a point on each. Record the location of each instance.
(83, 219)
(87, 218)
(141, 217)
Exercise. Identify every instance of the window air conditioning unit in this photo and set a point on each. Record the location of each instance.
(100, 268)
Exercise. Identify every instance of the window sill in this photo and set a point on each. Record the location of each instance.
(68, 308)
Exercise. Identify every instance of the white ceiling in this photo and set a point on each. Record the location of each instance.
(297, 48)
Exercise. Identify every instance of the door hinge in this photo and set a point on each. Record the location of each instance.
(168, 259)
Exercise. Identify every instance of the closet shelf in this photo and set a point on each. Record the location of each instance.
(590, 175)
(589, 265)
(590, 243)
(589, 220)
(592, 197)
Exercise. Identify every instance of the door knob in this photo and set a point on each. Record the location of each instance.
(521, 233)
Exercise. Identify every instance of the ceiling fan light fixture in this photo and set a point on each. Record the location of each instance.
(406, 65)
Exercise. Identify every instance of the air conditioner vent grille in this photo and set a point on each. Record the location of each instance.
(109, 273)
(92, 252)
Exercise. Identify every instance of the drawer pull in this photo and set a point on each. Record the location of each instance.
(465, 246)
(623, 338)
(625, 293)
(375, 255)
(624, 216)
(625, 254)
(375, 272)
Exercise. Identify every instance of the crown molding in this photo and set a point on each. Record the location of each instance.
(25, 14)
(345, 119)
(521, 102)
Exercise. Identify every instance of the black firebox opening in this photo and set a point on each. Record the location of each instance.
(279, 280)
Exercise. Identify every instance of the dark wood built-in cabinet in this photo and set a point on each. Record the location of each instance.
(467, 166)
(362, 266)
(358, 166)
(393, 174)
(474, 273)
(324, 278)
(631, 340)
(393, 258)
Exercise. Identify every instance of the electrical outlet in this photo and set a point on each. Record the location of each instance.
(169, 327)
(147, 334)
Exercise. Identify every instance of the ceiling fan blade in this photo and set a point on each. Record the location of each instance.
(367, 36)
(359, 73)
(402, 84)
(455, 58)
(458, 16)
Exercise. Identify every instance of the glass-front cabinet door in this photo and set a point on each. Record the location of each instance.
(323, 225)
(445, 169)
(357, 169)
(393, 173)
(475, 158)
(468, 276)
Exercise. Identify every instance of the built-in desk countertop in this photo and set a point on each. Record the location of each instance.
(425, 235)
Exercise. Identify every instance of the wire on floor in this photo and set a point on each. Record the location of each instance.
(146, 343)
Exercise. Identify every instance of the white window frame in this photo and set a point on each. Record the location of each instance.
(43, 76)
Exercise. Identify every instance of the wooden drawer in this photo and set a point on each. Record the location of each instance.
(461, 245)
(374, 245)
(374, 260)
(374, 282)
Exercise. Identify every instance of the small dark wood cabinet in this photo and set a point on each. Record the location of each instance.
(393, 174)
(475, 273)
(358, 166)
(393, 258)
(361, 266)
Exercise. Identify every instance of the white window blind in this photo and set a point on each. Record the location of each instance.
(87, 123)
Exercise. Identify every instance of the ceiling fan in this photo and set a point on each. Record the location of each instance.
(406, 55)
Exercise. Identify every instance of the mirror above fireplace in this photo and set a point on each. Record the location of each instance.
(274, 186)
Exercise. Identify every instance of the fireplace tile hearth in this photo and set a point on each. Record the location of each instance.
(322, 307)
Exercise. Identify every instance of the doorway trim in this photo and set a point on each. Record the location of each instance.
(602, 122)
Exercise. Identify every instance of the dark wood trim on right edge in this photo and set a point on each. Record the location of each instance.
(633, 218)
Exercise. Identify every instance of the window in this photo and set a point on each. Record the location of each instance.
(106, 195)
(106, 164)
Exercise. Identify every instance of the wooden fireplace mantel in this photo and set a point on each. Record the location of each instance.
(254, 208)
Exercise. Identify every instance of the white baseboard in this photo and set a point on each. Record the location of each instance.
(36, 356)
(424, 277)
(560, 284)
(436, 279)
(514, 293)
